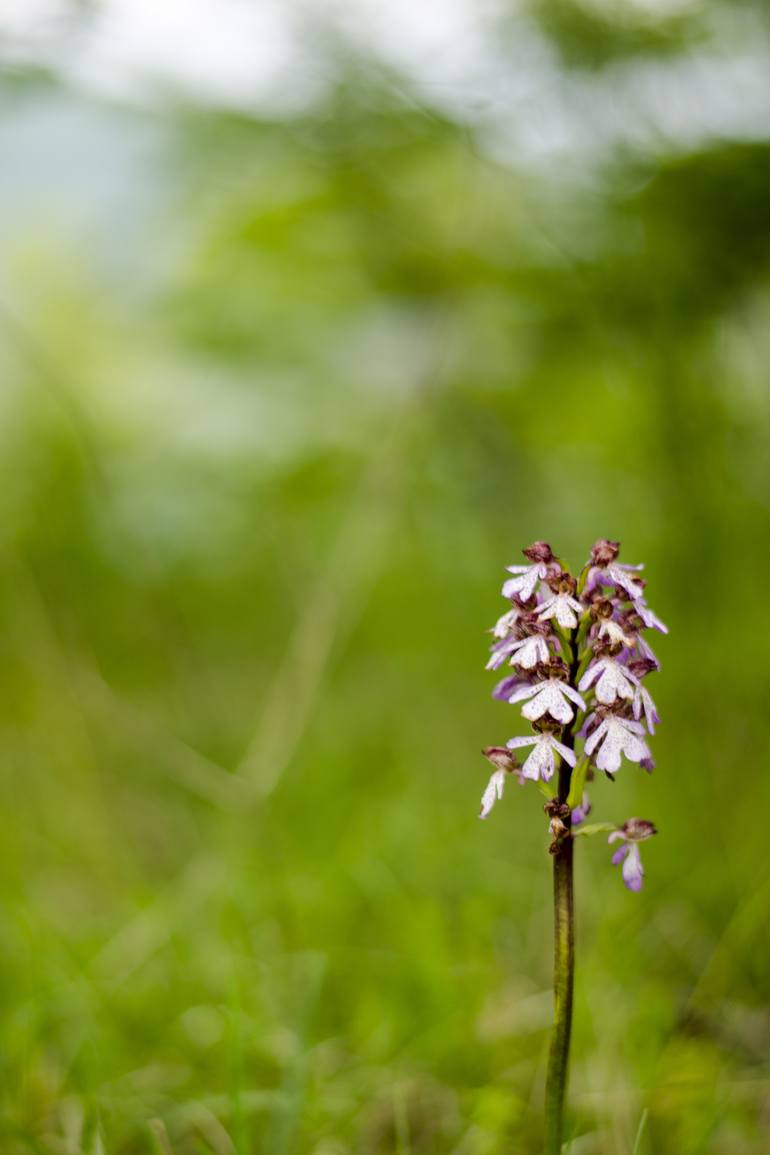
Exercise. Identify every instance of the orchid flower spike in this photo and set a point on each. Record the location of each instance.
(580, 664)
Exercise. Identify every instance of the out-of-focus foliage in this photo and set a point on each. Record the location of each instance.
(281, 398)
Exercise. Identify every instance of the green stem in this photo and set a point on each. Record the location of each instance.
(563, 952)
(564, 973)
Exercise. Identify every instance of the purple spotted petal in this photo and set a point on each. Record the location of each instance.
(620, 854)
(633, 871)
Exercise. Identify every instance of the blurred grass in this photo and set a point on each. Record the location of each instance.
(254, 519)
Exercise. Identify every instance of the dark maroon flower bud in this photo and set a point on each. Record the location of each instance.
(640, 667)
(501, 758)
(539, 551)
(556, 809)
(604, 552)
(556, 668)
(637, 829)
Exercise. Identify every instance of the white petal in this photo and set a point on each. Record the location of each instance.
(628, 724)
(536, 708)
(547, 608)
(568, 755)
(621, 577)
(649, 618)
(609, 756)
(503, 624)
(593, 739)
(531, 768)
(529, 740)
(637, 705)
(650, 710)
(614, 682)
(591, 674)
(522, 693)
(633, 871)
(634, 748)
(565, 616)
(544, 757)
(493, 791)
(511, 587)
(548, 698)
(530, 652)
(530, 581)
(606, 692)
(646, 650)
(572, 694)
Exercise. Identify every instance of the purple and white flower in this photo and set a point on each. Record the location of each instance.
(541, 763)
(615, 634)
(529, 652)
(564, 608)
(605, 568)
(549, 697)
(527, 577)
(630, 834)
(500, 651)
(612, 679)
(617, 736)
(543, 636)
(505, 624)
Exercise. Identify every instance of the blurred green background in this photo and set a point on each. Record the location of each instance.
(312, 316)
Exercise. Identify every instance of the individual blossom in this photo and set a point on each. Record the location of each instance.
(612, 680)
(606, 568)
(630, 834)
(504, 763)
(563, 606)
(500, 651)
(615, 736)
(540, 763)
(549, 696)
(524, 584)
(525, 652)
(608, 628)
(509, 620)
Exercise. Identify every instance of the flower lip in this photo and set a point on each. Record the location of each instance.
(604, 552)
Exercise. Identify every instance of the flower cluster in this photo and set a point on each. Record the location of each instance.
(579, 661)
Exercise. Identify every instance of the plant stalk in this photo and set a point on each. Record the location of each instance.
(563, 981)
(563, 951)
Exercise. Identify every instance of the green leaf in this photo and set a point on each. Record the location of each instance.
(578, 783)
(594, 828)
